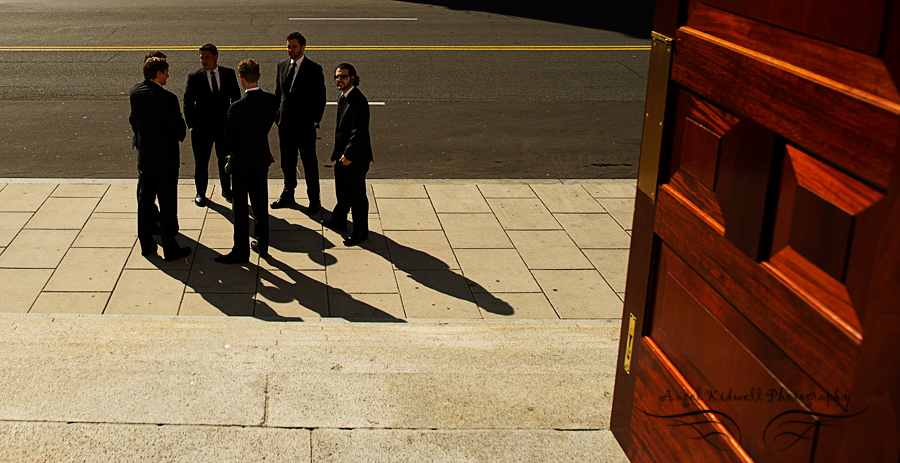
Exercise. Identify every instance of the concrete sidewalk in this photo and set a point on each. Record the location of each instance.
(436, 251)
(493, 322)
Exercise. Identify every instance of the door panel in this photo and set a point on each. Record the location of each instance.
(766, 247)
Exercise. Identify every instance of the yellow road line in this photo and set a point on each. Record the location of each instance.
(351, 48)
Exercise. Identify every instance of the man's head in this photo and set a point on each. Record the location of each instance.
(209, 56)
(155, 54)
(248, 70)
(345, 75)
(157, 70)
(296, 45)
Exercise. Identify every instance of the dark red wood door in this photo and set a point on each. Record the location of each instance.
(764, 277)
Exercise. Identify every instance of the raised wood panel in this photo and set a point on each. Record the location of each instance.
(856, 25)
(725, 373)
(700, 149)
(823, 116)
(657, 439)
(824, 350)
(864, 72)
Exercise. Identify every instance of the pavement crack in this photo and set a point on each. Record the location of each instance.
(113, 56)
(266, 403)
(629, 68)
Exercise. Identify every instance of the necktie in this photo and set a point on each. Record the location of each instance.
(290, 78)
(215, 85)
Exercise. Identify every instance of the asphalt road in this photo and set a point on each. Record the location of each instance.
(486, 89)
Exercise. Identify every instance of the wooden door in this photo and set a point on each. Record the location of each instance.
(763, 294)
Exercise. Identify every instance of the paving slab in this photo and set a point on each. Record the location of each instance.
(70, 303)
(611, 190)
(457, 198)
(360, 271)
(620, 209)
(388, 190)
(421, 249)
(436, 294)
(23, 197)
(579, 293)
(89, 269)
(566, 198)
(79, 190)
(376, 241)
(298, 250)
(20, 287)
(408, 214)
(119, 198)
(291, 294)
(496, 271)
(523, 214)
(184, 238)
(208, 304)
(612, 264)
(148, 292)
(37, 248)
(506, 190)
(63, 213)
(218, 233)
(10, 225)
(90, 442)
(209, 276)
(474, 231)
(548, 249)
(107, 232)
(594, 231)
(506, 445)
(514, 306)
(366, 306)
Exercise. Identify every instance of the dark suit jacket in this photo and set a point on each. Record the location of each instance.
(306, 103)
(351, 134)
(158, 128)
(247, 131)
(204, 111)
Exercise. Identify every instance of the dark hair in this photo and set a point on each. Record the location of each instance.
(153, 66)
(249, 70)
(298, 37)
(154, 54)
(210, 48)
(354, 77)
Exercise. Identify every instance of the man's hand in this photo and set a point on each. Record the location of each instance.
(344, 160)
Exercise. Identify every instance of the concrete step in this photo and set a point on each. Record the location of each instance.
(104, 388)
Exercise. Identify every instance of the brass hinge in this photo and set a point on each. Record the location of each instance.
(655, 112)
(629, 345)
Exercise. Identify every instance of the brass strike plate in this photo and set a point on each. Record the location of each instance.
(630, 343)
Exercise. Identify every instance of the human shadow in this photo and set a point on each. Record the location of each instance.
(631, 17)
(271, 290)
(434, 273)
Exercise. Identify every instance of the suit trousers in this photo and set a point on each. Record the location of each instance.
(202, 141)
(150, 187)
(350, 189)
(255, 185)
(301, 138)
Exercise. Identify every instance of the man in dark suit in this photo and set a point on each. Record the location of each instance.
(352, 155)
(247, 134)
(300, 84)
(158, 127)
(209, 92)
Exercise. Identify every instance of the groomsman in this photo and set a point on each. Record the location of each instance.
(209, 92)
(159, 128)
(247, 134)
(352, 155)
(300, 84)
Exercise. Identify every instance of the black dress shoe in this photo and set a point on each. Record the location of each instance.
(254, 245)
(313, 208)
(149, 253)
(284, 201)
(201, 201)
(354, 240)
(232, 258)
(228, 195)
(335, 225)
(181, 252)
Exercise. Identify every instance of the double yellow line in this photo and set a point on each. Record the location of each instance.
(57, 49)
